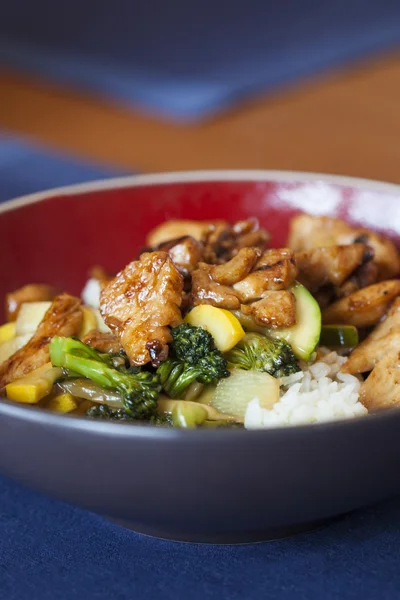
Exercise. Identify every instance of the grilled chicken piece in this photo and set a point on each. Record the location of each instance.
(210, 283)
(365, 307)
(178, 228)
(236, 269)
(207, 291)
(140, 305)
(319, 267)
(64, 318)
(275, 270)
(387, 257)
(223, 241)
(381, 389)
(33, 292)
(384, 338)
(186, 253)
(276, 309)
(307, 232)
(103, 342)
(366, 274)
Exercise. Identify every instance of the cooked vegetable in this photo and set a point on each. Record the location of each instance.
(304, 336)
(7, 332)
(100, 324)
(188, 415)
(89, 321)
(257, 352)
(36, 385)
(33, 292)
(29, 316)
(167, 406)
(193, 358)
(86, 389)
(64, 403)
(339, 336)
(139, 389)
(233, 395)
(224, 327)
(102, 411)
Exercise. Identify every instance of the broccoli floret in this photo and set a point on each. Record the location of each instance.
(193, 357)
(102, 411)
(259, 353)
(191, 343)
(139, 389)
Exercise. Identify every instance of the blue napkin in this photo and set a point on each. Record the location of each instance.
(53, 551)
(189, 59)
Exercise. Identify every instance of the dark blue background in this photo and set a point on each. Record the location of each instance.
(187, 59)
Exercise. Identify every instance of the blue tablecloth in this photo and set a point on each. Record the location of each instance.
(53, 551)
(189, 59)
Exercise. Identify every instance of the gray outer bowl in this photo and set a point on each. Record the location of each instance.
(210, 486)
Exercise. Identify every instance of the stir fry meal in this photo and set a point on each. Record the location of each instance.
(209, 327)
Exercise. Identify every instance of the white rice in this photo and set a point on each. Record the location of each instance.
(317, 393)
(91, 293)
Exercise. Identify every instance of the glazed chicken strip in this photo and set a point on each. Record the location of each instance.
(103, 341)
(275, 270)
(384, 338)
(386, 257)
(365, 307)
(141, 304)
(222, 242)
(366, 274)
(64, 318)
(175, 229)
(381, 389)
(33, 292)
(307, 232)
(237, 268)
(276, 309)
(186, 253)
(211, 283)
(207, 291)
(319, 267)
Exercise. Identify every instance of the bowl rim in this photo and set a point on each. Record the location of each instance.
(147, 431)
(227, 175)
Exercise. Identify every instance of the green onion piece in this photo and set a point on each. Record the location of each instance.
(339, 336)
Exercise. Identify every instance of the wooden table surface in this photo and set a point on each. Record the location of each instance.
(345, 122)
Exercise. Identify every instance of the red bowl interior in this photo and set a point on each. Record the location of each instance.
(58, 239)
